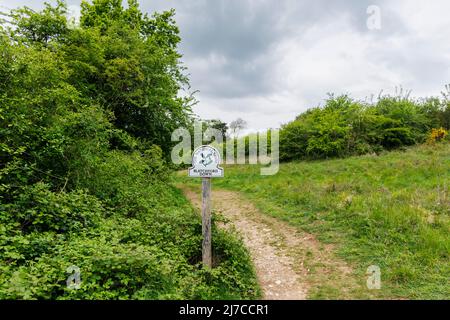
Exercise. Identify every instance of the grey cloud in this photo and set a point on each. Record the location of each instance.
(231, 50)
(244, 33)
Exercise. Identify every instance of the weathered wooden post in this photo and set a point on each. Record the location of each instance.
(206, 222)
(205, 165)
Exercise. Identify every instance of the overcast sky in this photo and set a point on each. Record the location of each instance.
(267, 61)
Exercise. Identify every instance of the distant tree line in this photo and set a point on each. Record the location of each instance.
(344, 126)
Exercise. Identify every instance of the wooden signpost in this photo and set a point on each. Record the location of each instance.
(205, 165)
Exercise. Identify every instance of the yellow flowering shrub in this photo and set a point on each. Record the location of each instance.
(437, 135)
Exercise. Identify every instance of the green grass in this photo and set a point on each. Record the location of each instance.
(390, 210)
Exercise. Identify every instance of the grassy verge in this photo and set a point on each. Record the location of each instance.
(390, 210)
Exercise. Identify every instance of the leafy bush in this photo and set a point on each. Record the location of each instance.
(344, 127)
(151, 256)
(85, 120)
(38, 209)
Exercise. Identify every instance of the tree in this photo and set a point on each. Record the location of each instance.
(237, 126)
(40, 27)
(117, 75)
(217, 125)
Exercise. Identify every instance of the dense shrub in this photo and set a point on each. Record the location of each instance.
(85, 114)
(153, 256)
(344, 127)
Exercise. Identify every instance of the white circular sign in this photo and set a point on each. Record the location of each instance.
(205, 163)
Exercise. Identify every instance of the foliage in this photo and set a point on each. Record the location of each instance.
(86, 114)
(216, 125)
(345, 127)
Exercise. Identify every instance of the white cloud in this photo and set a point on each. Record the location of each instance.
(333, 58)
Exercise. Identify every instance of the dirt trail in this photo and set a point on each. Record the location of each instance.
(289, 263)
(268, 241)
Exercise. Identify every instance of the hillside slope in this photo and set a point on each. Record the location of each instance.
(390, 210)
